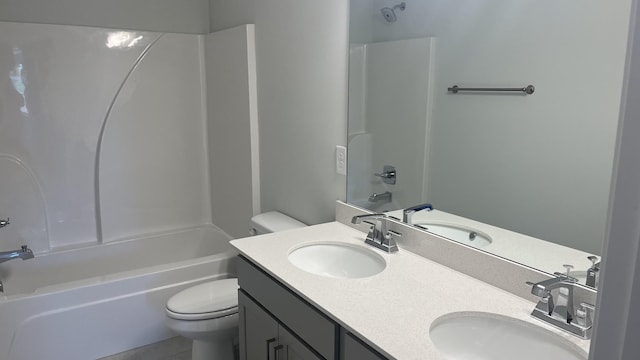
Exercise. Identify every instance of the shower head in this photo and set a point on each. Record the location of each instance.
(389, 14)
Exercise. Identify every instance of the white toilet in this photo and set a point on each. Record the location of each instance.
(208, 312)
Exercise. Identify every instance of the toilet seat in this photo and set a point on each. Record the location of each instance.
(210, 300)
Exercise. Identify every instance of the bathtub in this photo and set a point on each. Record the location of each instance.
(94, 301)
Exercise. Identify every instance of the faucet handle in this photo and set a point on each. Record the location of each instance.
(568, 268)
(389, 243)
(567, 275)
(388, 174)
(587, 306)
(593, 259)
(390, 235)
(583, 314)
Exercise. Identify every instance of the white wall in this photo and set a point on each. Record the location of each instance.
(232, 128)
(360, 24)
(396, 105)
(301, 54)
(522, 162)
(184, 16)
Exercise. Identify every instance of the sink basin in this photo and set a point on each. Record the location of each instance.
(485, 336)
(461, 234)
(337, 260)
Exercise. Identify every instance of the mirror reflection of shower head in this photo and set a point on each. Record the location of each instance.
(389, 14)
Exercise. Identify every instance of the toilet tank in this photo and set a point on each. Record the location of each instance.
(272, 221)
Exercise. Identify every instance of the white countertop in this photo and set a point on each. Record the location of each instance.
(392, 310)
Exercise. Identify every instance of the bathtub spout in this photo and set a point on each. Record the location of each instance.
(24, 253)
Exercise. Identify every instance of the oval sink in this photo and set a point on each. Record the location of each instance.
(337, 260)
(458, 233)
(485, 336)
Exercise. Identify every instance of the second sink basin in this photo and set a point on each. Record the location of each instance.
(337, 260)
(485, 336)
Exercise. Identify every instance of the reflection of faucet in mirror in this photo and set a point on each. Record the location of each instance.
(387, 196)
(407, 214)
(388, 175)
(593, 273)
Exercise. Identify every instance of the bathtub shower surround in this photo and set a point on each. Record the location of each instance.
(79, 102)
(104, 173)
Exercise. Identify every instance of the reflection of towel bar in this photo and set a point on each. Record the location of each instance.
(529, 89)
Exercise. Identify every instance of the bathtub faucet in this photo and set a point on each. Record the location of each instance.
(24, 253)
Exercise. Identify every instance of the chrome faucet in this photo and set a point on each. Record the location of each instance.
(559, 310)
(379, 235)
(24, 253)
(378, 197)
(4, 223)
(407, 214)
(565, 287)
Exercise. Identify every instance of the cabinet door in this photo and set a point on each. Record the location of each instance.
(258, 330)
(301, 318)
(290, 348)
(354, 349)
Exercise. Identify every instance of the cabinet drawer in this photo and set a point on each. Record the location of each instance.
(315, 328)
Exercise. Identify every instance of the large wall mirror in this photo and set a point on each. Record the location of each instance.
(525, 176)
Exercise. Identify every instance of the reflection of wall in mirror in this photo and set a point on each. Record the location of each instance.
(538, 164)
(389, 92)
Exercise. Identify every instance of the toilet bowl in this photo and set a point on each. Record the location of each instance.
(208, 313)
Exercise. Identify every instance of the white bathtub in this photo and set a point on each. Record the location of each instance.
(99, 300)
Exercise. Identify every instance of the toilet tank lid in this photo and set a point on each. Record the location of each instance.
(208, 297)
(274, 221)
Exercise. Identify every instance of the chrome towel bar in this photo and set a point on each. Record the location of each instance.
(528, 90)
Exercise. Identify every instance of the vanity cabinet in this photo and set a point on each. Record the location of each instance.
(276, 324)
(261, 337)
(353, 348)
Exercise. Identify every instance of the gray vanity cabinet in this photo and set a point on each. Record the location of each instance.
(261, 337)
(275, 320)
(276, 324)
(353, 348)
